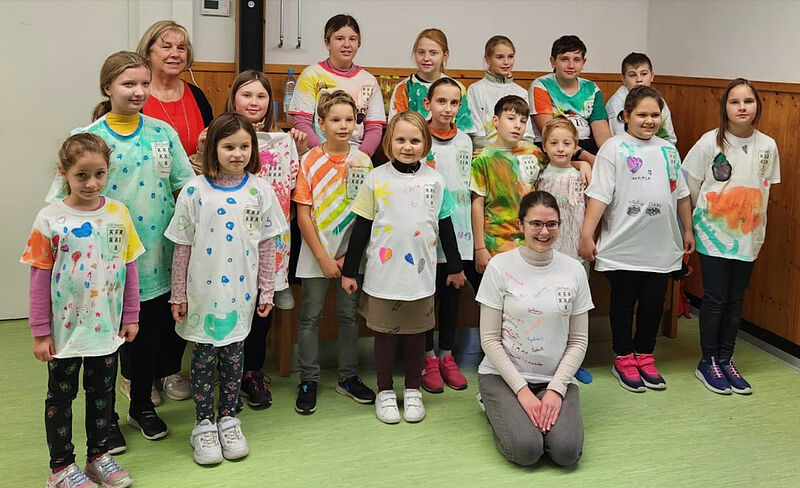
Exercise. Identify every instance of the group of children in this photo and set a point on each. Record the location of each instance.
(410, 233)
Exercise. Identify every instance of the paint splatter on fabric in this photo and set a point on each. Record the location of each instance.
(410, 93)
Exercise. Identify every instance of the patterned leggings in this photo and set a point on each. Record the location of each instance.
(99, 374)
(204, 358)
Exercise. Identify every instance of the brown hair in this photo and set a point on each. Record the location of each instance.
(221, 127)
(76, 146)
(157, 31)
(412, 118)
(114, 66)
(442, 82)
(723, 112)
(341, 21)
(559, 122)
(534, 199)
(436, 36)
(567, 44)
(637, 94)
(512, 103)
(493, 42)
(336, 97)
(244, 78)
(633, 60)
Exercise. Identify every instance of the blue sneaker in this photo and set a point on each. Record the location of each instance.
(584, 376)
(738, 384)
(710, 373)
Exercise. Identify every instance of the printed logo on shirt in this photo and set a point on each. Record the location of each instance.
(464, 163)
(430, 195)
(163, 159)
(564, 300)
(529, 167)
(115, 239)
(252, 217)
(673, 161)
(764, 158)
(653, 209)
(634, 208)
(366, 93)
(354, 179)
(274, 173)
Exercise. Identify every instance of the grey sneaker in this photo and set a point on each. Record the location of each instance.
(284, 299)
(69, 477)
(175, 387)
(107, 473)
(234, 445)
(205, 441)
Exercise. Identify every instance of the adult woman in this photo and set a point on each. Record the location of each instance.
(342, 39)
(534, 331)
(180, 104)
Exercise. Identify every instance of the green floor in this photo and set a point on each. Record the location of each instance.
(684, 436)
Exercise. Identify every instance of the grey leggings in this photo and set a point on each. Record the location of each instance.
(516, 436)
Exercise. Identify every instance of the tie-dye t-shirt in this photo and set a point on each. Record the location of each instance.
(329, 184)
(503, 176)
(146, 167)
(361, 85)
(279, 167)
(730, 219)
(409, 94)
(224, 226)
(405, 209)
(87, 252)
(582, 108)
(483, 95)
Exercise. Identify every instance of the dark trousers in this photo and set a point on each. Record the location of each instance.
(255, 345)
(99, 374)
(627, 288)
(413, 355)
(229, 362)
(447, 298)
(724, 284)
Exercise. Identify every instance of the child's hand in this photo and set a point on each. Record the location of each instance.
(688, 241)
(457, 280)
(476, 151)
(330, 267)
(43, 348)
(589, 157)
(586, 172)
(531, 405)
(264, 309)
(178, 312)
(129, 331)
(201, 140)
(550, 409)
(350, 285)
(300, 140)
(587, 248)
(482, 258)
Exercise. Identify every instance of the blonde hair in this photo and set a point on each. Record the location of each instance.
(436, 36)
(328, 99)
(156, 31)
(114, 66)
(76, 146)
(559, 122)
(244, 78)
(494, 41)
(412, 118)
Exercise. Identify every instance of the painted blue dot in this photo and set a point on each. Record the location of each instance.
(215, 304)
(200, 201)
(146, 158)
(229, 225)
(82, 267)
(162, 212)
(247, 296)
(230, 260)
(208, 282)
(119, 156)
(189, 190)
(155, 270)
(225, 279)
(231, 200)
(141, 183)
(228, 237)
(241, 277)
(211, 229)
(158, 129)
(153, 196)
(138, 144)
(138, 163)
(58, 294)
(124, 170)
(66, 230)
(152, 227)
(208, 251)
(86, 284)
(140, 218)
(113, 187)
(63, 267)
(161, 185)
(164, 198)
(221, 211)
(247, 252)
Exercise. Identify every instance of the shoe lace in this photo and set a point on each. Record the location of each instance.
(450, 365)
(172, 381)
(731, 369)
(208, 439)
(108, 467)
(76, 477)
(431, 366)
(260, 382)
(716, 371)
(627, 366)
(232, 434)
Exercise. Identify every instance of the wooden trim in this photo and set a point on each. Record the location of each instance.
(212, 66)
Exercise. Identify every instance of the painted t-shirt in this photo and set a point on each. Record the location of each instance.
(641, 183)
(566, 186)
(503, 176)
(616, 104)
(453, 159)
(87, 252)
(361, 85)
(409, 94)
(329, 185)
(405, 209)
(224, 226)
(582, 108)
(730, 219)
(483, 95)
(145, 168)
(279, 167)
(537, 302)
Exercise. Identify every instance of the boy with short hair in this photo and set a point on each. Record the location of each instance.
(564, 92)
(637, 69)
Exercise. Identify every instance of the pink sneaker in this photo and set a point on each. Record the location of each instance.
(647, 370)
(452, 376)
(431, 378)
(626, 372)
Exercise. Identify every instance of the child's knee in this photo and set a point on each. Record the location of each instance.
(522, 450)
(565, 452)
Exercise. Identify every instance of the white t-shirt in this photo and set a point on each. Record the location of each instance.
(537, 302)
(730, 219)
(405, 209)
(566, 186)
(641, 183)
(483, 95)
(616, 104)
(223, 226)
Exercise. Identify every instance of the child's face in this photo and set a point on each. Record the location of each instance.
(560, 146)
(129, 91)
(429, 57)
(234, 153)
(339, 124)
(408, 143)
(445, 104)
(637, 75)
(510, 127)
(741, 106)
(343, 46)
(540, 228)
(86, 179)
(501, 62)
(568, 65)
(251, 101)
(645, 119)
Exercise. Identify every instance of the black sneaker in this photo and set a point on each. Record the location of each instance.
(149, 423)
(239, 405)
(356, 389)
(306, 403)
(255, 388)
(115, 441)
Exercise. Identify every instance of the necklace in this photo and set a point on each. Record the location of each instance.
(172, 122)
(330, 157)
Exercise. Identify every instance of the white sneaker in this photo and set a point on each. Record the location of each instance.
(234, 445)
(284, 299)
(479, 398)
(175, 387)
(205, 442)
(413, 409)
(386, 407)
(125, 389)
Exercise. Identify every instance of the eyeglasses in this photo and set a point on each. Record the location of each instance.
(537, 225)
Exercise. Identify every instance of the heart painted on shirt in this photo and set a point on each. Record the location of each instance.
(193, 320)
(409, 258)
(417, 233)
(385, 254)
(634, 164)
(420, 265)
(218, 328)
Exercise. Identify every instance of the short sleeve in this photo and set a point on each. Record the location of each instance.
(582, 302)
(666, 123)
(464, 120)
(376, 112)
(477, 181)
(541, 103)
(599, 107)
(364, 203)
(492, 288)
(294, 163)
(302, 189)
(181, 171)
(612, 111)
(475, 109)
(775, 174)
(181, 228)
(305, 93)
(135, 247)
(273, 221)
(681, 188)
(448, 204)
(399, 101)
(39, 249)
(698, 157)
(604, 174)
